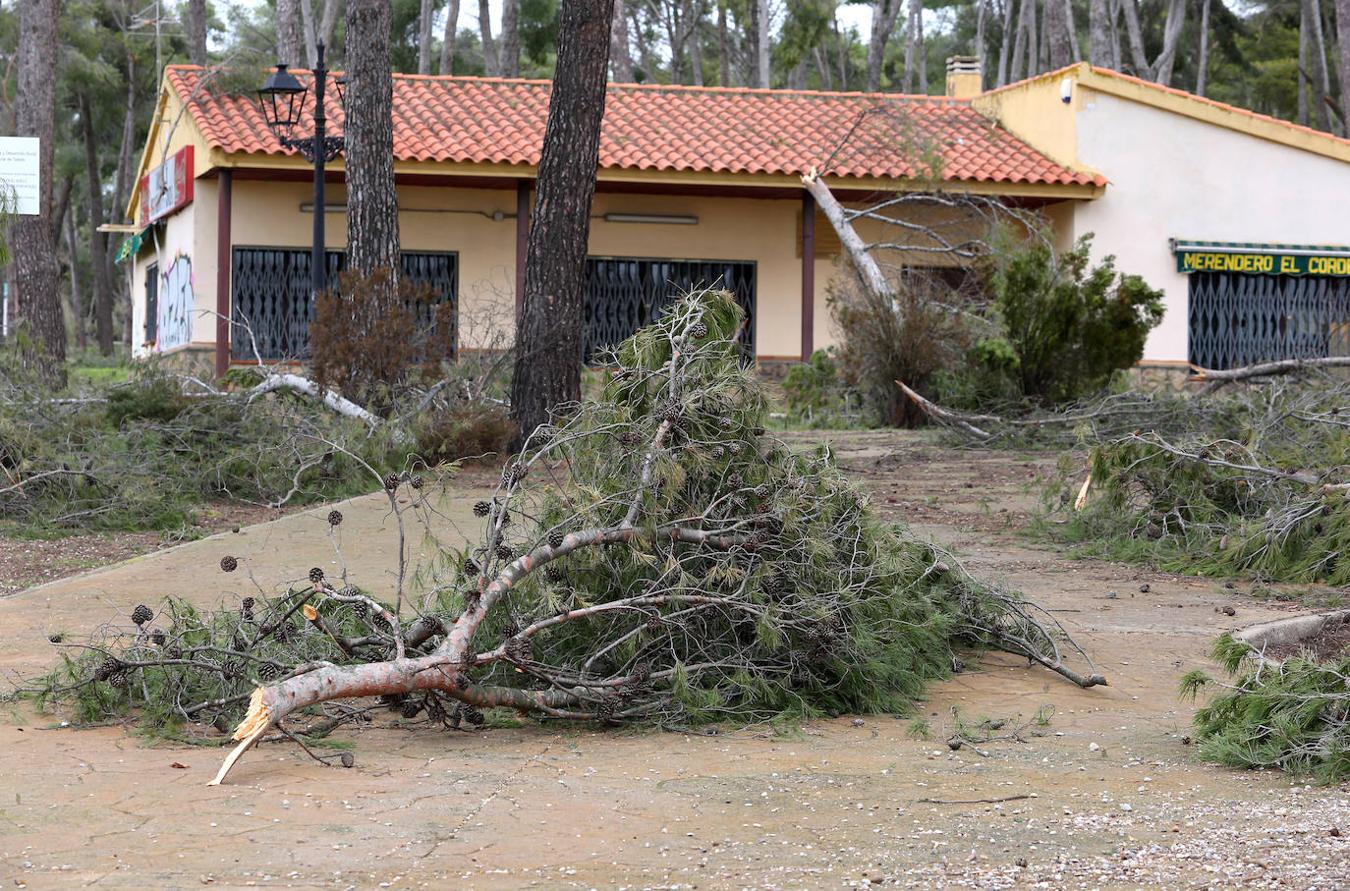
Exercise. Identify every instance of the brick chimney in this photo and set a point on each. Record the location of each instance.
(965, 76)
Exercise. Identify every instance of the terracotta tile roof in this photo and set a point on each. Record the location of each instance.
(664, 128)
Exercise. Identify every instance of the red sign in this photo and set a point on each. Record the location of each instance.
(167, 188)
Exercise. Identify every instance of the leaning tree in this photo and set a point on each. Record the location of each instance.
(657, 558)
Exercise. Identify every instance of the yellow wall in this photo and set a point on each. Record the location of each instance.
(763, 231)
(1035, 112)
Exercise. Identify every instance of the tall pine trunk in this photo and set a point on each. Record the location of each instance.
(1058, 34)
(32, 238)
(1317, 45)
(723, 46)
(290, 32)
(1005, 49)
(98, 241)
(509, 58)
(548, 331)
(195, 15)
(621, 57)
(884, 15)
(491, 63)
(1343, 45)
(1172, 27)
(1202, 57)
(372, 202)
(1099, 32)
(76, 295)
(449, 37)
(759, 11)
(425, 15)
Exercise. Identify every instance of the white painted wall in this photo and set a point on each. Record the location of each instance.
(1176, 177)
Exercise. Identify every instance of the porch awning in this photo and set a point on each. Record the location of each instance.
(1260, 259)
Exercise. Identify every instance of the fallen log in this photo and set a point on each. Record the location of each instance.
(947, 416)
(287, 381)
(1267, 369)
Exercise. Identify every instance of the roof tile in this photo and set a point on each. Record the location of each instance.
(671, 128)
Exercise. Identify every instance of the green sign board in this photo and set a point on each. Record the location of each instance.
(1201, 259)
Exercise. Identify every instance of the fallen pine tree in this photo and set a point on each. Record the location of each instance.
(654, 558)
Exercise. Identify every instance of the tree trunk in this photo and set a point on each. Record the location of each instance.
(1318, 45)
(76, 295)
(884, 15)
(1033, 56)
(1202, 58)
(372, 203)
(723, 46)
(1343, 45)
(1005, 50)
(424, 20)
(491, 64)
(981, 36)
(695, 45)
(1017, 70)
(1176, 20)
(328, 22)
(759, 18)
(1058, 34)
(32, 238)
(311, 33)
(1099, 32)
(1137, 57)
(911, 37)
(98, 241)
(548, 331)
(1302, 78)
(449, 38)
(1075, 51)
(509, 59)
(621, 58)
(922, 60)
(195, 16)
(290, 32)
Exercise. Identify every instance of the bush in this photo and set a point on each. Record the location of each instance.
(464, 429)
(910, 338)
(1067, 326)
(815, 394)
(369, 339)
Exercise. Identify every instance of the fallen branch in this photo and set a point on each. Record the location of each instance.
(867, 268)
(947, 416)
(1266, 369)
(286, 381)
(1002, 800)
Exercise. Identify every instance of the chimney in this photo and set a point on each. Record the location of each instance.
(965, 76)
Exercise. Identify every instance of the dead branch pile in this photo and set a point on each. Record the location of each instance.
(654, 558)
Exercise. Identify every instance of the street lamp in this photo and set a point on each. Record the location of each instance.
(282, 98)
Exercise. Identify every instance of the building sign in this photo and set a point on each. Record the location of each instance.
(166, 188)
(1256, 259)
(20, 173)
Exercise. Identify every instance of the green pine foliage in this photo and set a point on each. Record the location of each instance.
(1192, 502)
(1291, 714)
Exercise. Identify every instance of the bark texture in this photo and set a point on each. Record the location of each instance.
(548, 332)
(33, 238)
(491, 64)
(424, 17)
(372, 204)
(884, 15)
(509, 57)
(98, 241)
(290, 33)
(195, 15)
(1343, 45)
(1099, 32)
(449, 37)
(621, 58)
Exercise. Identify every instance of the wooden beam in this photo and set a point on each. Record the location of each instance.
(522, 239)
(808, 276)
(224, 258)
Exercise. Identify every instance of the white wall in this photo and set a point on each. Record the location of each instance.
(1176, 177)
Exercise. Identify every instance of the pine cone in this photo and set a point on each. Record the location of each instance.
(726, 423)
(416, 482)
(608, 708)
(391, 481)
(519, 650)
(473, 716)
(470, 566)
(630, 437)
(120, 681)
(268, 671)
(698, 330)
(514, 473)
(672, 412)
(411, 709)
(142, 614)
(228, 563)
(106, 669)
(335, 518)
(504, 552)
(360, 608)
(555, 538)
(316, 575)
(158, 638)
(246, 608)
(481, 509)
(762, 490)
(554, 574)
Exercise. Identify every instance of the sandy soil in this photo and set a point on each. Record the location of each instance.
(1109, 796)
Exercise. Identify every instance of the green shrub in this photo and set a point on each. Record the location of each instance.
(1067, 326)
(464, 429)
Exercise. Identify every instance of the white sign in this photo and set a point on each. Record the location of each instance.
(19, 173)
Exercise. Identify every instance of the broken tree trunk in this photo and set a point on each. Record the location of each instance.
(1266, 369)
(868, 270)
(342, 406)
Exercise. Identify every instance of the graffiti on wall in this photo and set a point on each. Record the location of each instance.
(175, 305)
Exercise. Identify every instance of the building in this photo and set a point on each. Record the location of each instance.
(702, 186)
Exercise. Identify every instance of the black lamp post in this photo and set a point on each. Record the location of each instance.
(282, 98)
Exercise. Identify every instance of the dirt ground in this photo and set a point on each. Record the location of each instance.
(1109, 796)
